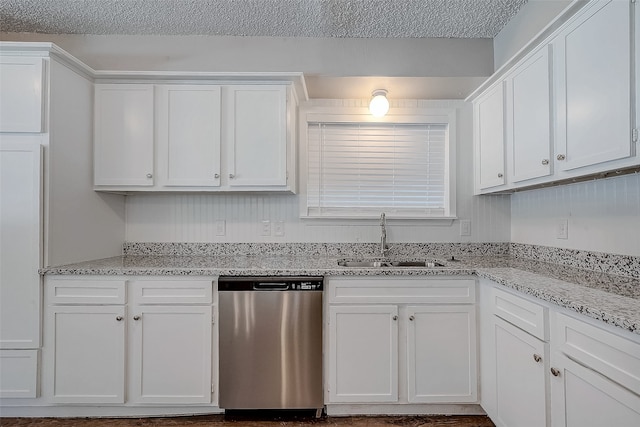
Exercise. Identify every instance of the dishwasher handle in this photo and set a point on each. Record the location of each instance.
(271, 286)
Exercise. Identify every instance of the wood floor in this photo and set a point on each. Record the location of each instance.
(221, 421)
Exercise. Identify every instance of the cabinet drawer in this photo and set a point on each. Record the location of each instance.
(172, 291)
(611, 355)
(85, 291)
(402, 290)
(526, 315)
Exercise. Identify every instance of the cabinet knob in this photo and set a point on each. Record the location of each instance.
(560, 157)
(395, 317)
(216, 175)
(119, 318)
(136, 317)
(149, 175)
(231, 176)
(537, 357)
(545, 161)
(500, 175)
(555, 372)
(412, 318)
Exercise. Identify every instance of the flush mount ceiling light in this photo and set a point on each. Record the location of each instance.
(379, 104)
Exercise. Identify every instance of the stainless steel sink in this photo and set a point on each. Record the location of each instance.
(392, 263)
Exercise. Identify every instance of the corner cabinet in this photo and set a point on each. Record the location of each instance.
(195, 137)
(569, 108)
(400, 340)
(542, 365)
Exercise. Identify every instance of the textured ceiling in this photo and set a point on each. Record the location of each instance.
(275, 18)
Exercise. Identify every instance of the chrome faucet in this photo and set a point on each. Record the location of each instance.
(384, 248)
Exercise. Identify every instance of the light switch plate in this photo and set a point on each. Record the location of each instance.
(465, 227)
(221, 228)
(562, 229)
(266, 228)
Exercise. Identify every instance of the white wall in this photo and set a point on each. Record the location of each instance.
(407, 68)
(603, 215)
(191, 218)
(532, 18)
(80, 223)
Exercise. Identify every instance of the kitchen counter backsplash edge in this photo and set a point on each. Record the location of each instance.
(334, 250)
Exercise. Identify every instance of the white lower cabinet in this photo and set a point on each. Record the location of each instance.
(156, 348)
(171, 354)
(521, 375)
(378, 341)
(88, 353)
(595, 375)
(587, 374)
(441, 353)
(363, 358)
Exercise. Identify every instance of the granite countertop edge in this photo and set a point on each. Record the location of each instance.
(577, 294)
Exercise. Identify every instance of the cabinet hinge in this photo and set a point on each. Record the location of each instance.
(212, 388)
(634, 135)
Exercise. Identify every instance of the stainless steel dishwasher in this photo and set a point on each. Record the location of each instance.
(270, 342)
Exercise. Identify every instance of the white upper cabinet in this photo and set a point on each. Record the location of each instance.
(123, 135)
(21, 94)
(568, 109)
(528, 106)
(593, 86)
(194, 137)
(257, 128)
(188, 135)
(488, 117)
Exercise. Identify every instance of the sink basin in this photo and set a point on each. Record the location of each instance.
(394, 264)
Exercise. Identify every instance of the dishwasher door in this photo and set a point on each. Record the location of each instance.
(270, 343)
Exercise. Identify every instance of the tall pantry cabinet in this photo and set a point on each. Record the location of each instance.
(49, 213)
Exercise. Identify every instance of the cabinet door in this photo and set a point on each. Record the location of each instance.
(257, 129)
(441, 354)
(489, 138)
(521, 373)
(581, 397)
(20, 241)
(189, 135)
(123, 135)
(363, 354)
(21, 94)
(87, 363)
(171, 350)
(529, 130)
(592, 70)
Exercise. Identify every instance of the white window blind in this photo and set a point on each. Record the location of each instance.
(362, 169)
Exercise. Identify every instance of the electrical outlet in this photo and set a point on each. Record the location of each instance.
(266, 228)
(279, 228)
(220, 227)
(465, 227)
(562, 229)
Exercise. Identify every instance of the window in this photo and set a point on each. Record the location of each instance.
(360, 169)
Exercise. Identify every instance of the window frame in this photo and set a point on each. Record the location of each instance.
(361, 115)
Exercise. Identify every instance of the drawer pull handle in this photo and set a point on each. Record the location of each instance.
(412, 318)
(560, 157)
(119, 318)
(136, 317)
(545, 161)
(555, 372)
(231, 176)
(216, 175)
(537, 357)
(500, 175)
(395, 317)
(149, 175)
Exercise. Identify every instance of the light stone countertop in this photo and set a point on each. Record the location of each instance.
(612, 299)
